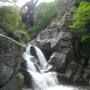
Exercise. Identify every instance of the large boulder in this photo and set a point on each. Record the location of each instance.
(10, 59)
(58, 47)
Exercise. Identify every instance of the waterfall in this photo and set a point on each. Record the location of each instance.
(37, 67)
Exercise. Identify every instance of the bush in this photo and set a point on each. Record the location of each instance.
(45, 13)
(82, 17)
(10, 20)
(81, 24)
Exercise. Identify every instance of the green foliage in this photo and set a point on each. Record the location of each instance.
(82, 16)
(45, 13)
(81, 24)
(10, 20)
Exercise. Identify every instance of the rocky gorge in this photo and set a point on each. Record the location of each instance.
(60, 46)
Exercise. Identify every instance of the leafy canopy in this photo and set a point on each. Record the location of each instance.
(81, 24)
(45, 13)
(9, 17)
(82, 16)
(10, 20)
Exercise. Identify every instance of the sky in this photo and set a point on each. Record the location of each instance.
(20, 3)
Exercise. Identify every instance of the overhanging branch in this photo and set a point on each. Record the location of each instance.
(18, 43)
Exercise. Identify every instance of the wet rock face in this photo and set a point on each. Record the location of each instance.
(54, 40)
(6, 73)
(61, 47)
(62, 51)
(58, 47)
(9, 63)
(59, 62)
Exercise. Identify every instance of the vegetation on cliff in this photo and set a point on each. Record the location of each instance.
(45, 13)
(81, 24)
(11, 21)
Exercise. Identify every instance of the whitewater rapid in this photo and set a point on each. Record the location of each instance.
(37, 66)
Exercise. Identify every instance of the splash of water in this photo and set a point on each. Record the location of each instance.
(37, 67)
(41, 79)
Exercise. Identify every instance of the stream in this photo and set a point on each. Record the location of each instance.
(38, 67)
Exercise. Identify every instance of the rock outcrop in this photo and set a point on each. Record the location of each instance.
(10, 59)
(61, 47)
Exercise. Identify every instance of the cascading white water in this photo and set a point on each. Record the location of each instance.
(41, 79)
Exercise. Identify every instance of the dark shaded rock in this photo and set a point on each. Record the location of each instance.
(5, 73)
(58, 60)
(10, 60)
(13, 84)
(27, 79)
(64, 80)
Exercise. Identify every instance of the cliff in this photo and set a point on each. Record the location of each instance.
(62, 47)
(10, 60)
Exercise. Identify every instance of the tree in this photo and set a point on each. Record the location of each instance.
(81, 24)
(82, 17)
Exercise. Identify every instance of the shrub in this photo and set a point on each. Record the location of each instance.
(10, 20)
(82, 17)
(9, 17)
(45, 13)
(81, 24)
